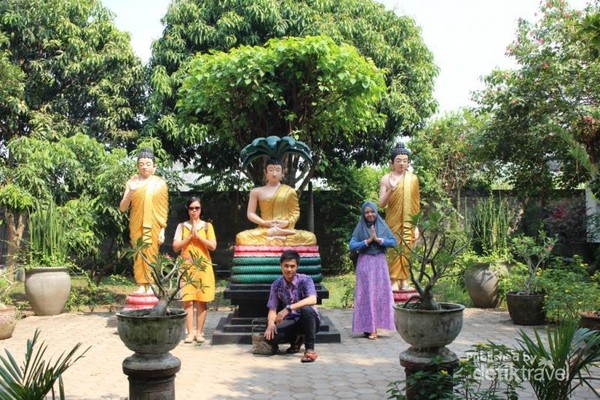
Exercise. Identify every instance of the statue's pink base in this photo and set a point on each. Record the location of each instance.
(401, 296)
(273, 251)
(139, 301)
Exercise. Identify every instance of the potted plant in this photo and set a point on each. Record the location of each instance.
(47, 280)
(482, 275)
(591, 317)
(590, 320)
(525, 292)
(489, 228)
(425, 324)
(152, 333)
(160, 328)
(8, 312)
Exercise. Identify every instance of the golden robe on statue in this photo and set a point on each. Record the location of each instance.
(147, 217)
(282, 205)
(404, 202)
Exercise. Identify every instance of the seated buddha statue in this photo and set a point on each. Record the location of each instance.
(279, 212)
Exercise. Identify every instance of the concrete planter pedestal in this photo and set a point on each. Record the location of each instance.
(152, 368)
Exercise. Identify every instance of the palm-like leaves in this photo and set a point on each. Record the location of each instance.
(571, 349)
(274, 147)
(36, 377)
(555, 370)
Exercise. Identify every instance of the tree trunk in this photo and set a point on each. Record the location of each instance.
(311, 209)
(15, 222)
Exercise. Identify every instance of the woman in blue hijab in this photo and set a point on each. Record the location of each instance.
(373, 299)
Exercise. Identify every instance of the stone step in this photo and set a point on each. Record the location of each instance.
(234, 330)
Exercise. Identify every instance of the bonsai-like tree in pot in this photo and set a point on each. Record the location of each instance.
(426, 325)
(168, 275)
(534, 253)
(439, 245)
(525, 293)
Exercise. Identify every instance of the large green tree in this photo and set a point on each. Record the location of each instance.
(393, 43)
(70, 72)
(310, 88)
(445, 156)
(544, 131)
(79, 71)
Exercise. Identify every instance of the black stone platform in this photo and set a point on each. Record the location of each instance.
(251, 300)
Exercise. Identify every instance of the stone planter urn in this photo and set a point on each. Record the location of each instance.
(8, 321)
(47, 289)
(428, 332)
(152, 368)
(481, 282)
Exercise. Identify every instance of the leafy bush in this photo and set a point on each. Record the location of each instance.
(341, 291)
(569, 290)
(566, 219)
(354, 185)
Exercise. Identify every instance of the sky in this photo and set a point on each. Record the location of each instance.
(468, 38)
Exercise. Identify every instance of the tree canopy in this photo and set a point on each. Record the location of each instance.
(445, 157)
(70, 88)
(544, 131)
(193, 26)
(324, 94)
(79, 73)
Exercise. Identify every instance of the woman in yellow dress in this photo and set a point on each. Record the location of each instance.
(195, 238)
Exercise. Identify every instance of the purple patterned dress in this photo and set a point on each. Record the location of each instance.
(373, 298)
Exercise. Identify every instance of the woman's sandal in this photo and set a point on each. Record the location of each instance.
(372, 336)
(309, 356)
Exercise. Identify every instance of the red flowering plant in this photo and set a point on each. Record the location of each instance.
(567, 220)
(532, 255)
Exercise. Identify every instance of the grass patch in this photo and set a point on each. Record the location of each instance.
(110, 294)
(452, 292)
(341, 291)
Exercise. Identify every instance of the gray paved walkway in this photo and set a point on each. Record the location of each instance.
(357, 368)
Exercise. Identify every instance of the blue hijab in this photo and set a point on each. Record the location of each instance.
(363, 228)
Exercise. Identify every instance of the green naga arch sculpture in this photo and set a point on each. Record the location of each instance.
(274, 146)
(296, 156)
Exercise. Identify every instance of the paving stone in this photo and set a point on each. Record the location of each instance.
(355, 368)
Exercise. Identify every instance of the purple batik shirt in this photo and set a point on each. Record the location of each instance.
(284, 293)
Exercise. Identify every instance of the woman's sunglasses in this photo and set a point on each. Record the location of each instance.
(194, 208)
